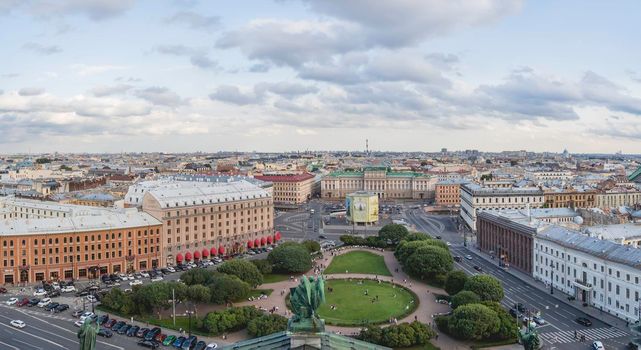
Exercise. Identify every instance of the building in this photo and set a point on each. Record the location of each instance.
(386, 184)
(618, 197)
(50, 241)
(570, 199)
(550, 175)
(603, 274)
(475, 198)
(222, 218)
(448, 193)
(624, 234)
(290, 189)
(361, 208)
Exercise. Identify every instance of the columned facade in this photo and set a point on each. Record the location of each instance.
(507, 241)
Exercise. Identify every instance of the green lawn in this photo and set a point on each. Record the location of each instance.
(274, 277)
(353, 307)
(358, 262)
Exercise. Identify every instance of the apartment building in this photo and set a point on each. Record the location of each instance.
(289, 189)
(49, 241)
(448, 192)
(386, 184)
(618, 197)
(570, 199)
(475, 198)
(221, 218)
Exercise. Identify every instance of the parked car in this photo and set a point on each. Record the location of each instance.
(85, 315)
(102, 319)
(131, 332)
(118, 325)
(11, 301)
(23, 302)
(520, 307)
(178, 342)
(211, 346)
(144, 274)
(171, 269)
(157, 279)
(584, 321)
(201, 345)
(152, 333)
(148, 344)
(61, 308)
(104, 332)
(538, 320)
(141, 332)
(160, 337)
(189, 343)
(92, 298)
(110, 323)
(124, 329)
(169, 340)
(67, 289)
(78, 323)
(3, 290)
(597, 345)
(18, 323)
(39, 293)
(51, 306)
(33, 302)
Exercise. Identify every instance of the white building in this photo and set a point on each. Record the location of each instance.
(475, 198)
(601, 273)
(547, 175)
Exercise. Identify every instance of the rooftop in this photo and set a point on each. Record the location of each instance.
(488, 191)
(219, 193)
(285, 177)
(614, 232)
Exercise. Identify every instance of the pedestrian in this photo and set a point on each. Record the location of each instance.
(415, 318)
(575, 335)
(436, 336)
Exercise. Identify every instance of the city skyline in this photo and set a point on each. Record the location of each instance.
(180, 76)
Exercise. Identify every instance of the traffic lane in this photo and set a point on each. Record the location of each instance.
(517, 290)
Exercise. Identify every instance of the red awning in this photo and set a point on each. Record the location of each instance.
(257, 242)
(196, 255)
(221, 250)
(188, 256)
(205, 253)
(179, 257)
(213, 251)
(250, 244)
(269, 239)
(263, 241)
(277, 236)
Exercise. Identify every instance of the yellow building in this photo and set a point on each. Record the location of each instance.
(361, 208)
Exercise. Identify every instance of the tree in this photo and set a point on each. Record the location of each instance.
(227, 288)
(244, 270)
(263, 265)
(473, 321)
(231, 319)
(417, 236)
(428, 261)
(393, 233)
(266, 324)
(406, 248)
(398, 336)
(152, 298)
(198, 293)
(455, 281)
(43, 160)
(463, 298)
(485, 286)
(197, 276)
(507, 328)
(290, 257)
(312, 246)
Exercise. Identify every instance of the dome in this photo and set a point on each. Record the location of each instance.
(578, 220)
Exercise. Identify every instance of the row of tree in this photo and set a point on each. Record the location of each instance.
(398, 336)
(257, 322)
(424, 257)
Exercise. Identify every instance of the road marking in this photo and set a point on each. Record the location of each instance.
(30, 346)
(33, 335)
(13, 347)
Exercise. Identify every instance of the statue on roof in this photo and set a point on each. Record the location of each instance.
(305, 300)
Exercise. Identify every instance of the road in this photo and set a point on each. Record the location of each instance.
(560, 317)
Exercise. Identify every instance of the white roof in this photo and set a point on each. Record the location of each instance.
(216, 193)
(614, 232)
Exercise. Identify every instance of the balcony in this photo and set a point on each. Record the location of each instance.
(582, 284)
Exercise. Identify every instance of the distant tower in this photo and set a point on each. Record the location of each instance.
(366, 146)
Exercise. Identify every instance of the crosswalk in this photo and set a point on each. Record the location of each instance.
(589, 333)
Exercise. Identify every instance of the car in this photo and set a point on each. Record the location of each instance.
(102, 319)
(152, 333)
(118, 325)
(211, 346)
(51, 306)
(457, 259)
(39, 293)
(171, 269)
(515, 313)
(91, 298)
(144, 274)
(3, 290)
(468, 257)
(157, 279)
(82, 293)
(141, 332)
(148, 344)
(33, 302)
(123, 277)
(11, 301)
(61, 308)
(478, 268)
(130, 276)
(85, 315)
(110, 323)
(53, 293)
(124, 329)
(104, 332)
(178, 342)
(18, 323)
(135, 283)
(584, 321)
(165, 271)
(201, 345)
(67, 289)
(169, 340)
(189, 343)
(538, 320)
(78, 323)
(131, 332)
(597, 345)
(520, 307)
(23, 302)
(448, 244)
(438, 237)
(322, 236)
(160, 337)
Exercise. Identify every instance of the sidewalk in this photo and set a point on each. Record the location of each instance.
(559, 295)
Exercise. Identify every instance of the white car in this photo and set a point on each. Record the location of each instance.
(79, 323)
(211, 346)
(144, 274)
(123, 277)
(85, 315)
(597, 345)
(44, 302)
(157, 278)
(91, 298)
(135, 283)
(11, 301)
(67, 289)
(39, 293)
(468, 257)
(131, 277)
(448, 244)
(171, 269)
(17, 323)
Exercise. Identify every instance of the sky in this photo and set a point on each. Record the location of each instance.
(283, 75)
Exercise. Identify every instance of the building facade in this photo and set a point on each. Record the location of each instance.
(220, 219)
(361, 208)
(448, 193)
(570, 199)
(49, 241)
(618, 198)
(475, 198)
(381, 181)
(290, 189)
(603, 274)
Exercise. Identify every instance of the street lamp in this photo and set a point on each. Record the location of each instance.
(551, 277)
(189, 312)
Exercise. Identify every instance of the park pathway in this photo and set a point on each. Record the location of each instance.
(427, 303)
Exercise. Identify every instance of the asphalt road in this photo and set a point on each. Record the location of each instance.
(558, 332)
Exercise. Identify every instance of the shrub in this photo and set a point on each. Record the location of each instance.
(396, 336)
(428, 261)
(485, 286)
(231, 319)
(266, 324)
(290, 257)
(393, 233)
(226, 288)
(312, 246)
(455, 281)
(264, 266)
(507, 328)
(244, 270)
(473, 321)
(463, 298)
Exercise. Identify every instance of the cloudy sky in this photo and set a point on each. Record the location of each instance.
(188, 75)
